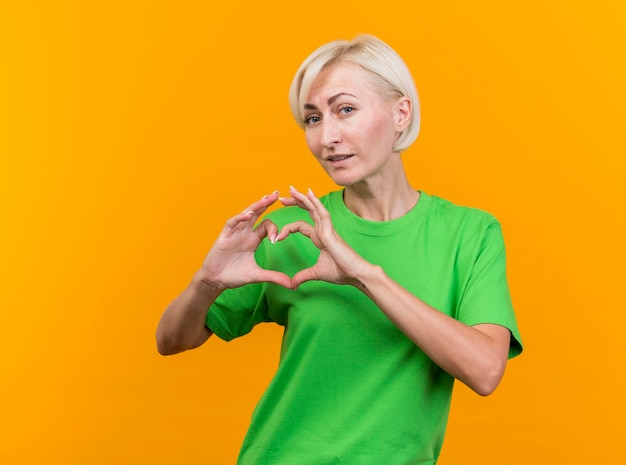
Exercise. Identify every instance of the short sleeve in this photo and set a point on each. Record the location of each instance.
(237, 311)
(486, 297)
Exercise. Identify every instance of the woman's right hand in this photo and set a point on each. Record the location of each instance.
(230, 262)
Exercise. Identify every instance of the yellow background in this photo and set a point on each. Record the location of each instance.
(130, 131)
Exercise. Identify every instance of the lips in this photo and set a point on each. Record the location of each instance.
(336, 158)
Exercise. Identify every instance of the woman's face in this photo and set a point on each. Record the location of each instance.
(350, 128)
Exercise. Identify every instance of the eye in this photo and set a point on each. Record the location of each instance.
(346, 109)
(312, 119)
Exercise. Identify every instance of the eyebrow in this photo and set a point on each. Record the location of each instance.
(331, 100)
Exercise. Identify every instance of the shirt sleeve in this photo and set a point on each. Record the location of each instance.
(486, 297)
(237, 311)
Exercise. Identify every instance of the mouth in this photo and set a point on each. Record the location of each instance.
(338, 158)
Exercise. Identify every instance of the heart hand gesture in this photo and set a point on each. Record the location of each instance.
(231, 262)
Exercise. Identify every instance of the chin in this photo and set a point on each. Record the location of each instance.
(343, 179)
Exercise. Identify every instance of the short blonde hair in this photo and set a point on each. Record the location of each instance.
(389, 73)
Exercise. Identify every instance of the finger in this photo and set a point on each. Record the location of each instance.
(238, 219)
(317, 210)
(259, 207)
(288, 201)
(305, 203)
(251, 214)
(303, 276)
(301, 227)
(268, 229)
(276, 277)
(300, 198)
(295, 199)
(319, 206)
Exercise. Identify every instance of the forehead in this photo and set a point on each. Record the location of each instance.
(340, 77)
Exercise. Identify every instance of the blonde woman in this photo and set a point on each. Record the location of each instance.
(387, 294)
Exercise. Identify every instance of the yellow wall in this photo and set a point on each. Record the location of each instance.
(129, 131)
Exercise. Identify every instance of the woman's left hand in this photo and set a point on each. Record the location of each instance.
(338, 263)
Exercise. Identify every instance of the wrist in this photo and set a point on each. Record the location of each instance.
(368, 276)
(208, 288)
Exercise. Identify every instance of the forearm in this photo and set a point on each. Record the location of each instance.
(475, 355)
(182, 325)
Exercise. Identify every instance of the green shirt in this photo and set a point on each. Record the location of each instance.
(351, 388)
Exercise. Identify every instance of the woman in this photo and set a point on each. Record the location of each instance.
(387, 294)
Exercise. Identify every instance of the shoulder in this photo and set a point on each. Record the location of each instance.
(453, 214)
(463, 225)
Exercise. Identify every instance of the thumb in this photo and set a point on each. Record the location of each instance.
(303, 276)
(276, 277)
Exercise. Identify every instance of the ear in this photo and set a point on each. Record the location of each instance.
(403, 113)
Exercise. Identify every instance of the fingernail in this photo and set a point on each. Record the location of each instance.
(311, 192)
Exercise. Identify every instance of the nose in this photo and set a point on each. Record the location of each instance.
(331, 134)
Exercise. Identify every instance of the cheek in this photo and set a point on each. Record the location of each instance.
(312, 142)
(383, 133)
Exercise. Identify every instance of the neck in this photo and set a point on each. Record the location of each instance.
(383, 202)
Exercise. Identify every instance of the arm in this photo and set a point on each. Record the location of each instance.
(476, 355)
(182, 325)
(230, 263)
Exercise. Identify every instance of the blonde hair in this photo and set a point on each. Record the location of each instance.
(388, 72)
